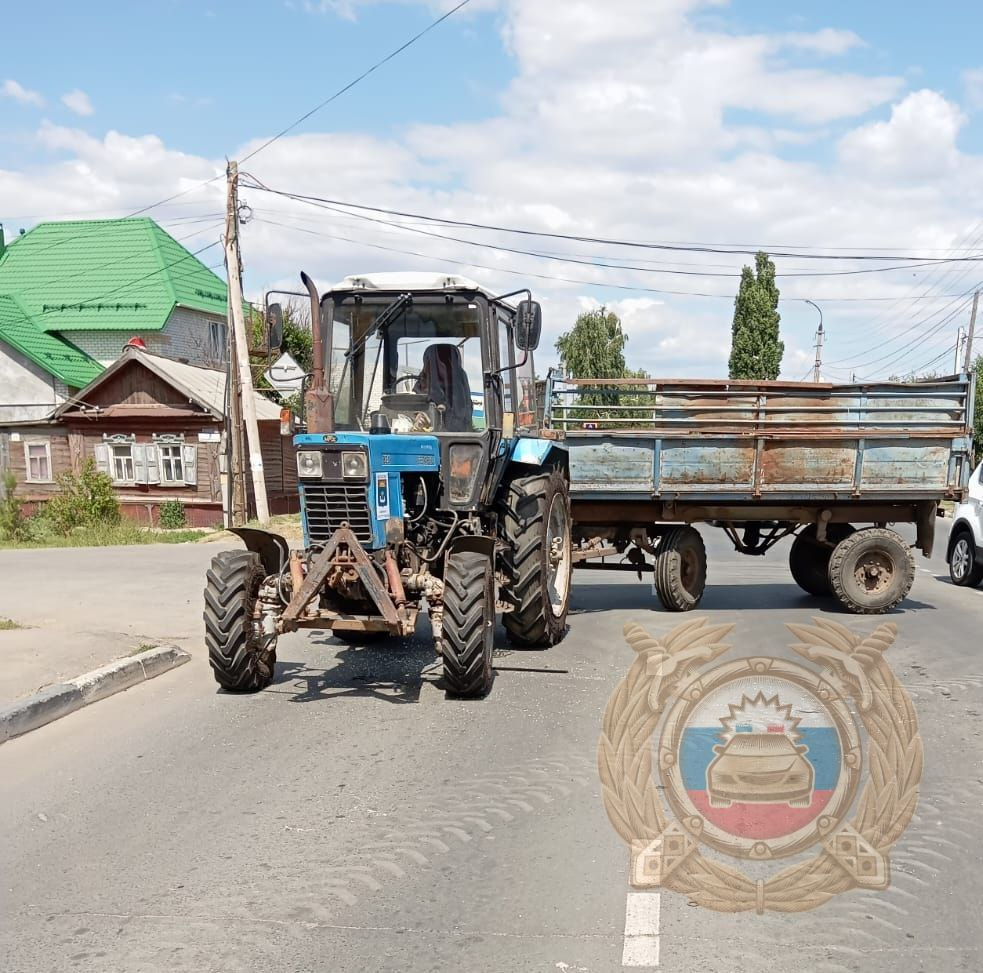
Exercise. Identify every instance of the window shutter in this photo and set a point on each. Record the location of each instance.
(139, 463)
(153, 465)
(190, 465)
(102, 458)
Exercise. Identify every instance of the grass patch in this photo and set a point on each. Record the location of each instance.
(105, 535)
(9, 625)
(143, 647)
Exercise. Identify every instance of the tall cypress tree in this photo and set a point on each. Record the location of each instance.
(756, 351)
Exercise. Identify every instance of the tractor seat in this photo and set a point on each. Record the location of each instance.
(444, 381)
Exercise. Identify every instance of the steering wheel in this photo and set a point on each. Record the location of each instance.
(404, 378)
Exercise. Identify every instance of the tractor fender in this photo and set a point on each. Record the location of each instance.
(273, 550)
(542, 453)
(471, 542)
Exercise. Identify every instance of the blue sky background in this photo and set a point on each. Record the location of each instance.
(572, 116)
(205, 77)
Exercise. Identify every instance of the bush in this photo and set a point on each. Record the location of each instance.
(85, 499)
(11, 521)
(172, 515)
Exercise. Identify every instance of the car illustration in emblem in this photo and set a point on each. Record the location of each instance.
(760, 768)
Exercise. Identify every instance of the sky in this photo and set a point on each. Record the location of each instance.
(830, 130)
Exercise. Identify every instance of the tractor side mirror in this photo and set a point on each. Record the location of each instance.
(274, 326)
(528, 325)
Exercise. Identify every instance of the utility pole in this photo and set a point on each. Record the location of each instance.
(959, 350)
(969, 337)
(246, 394)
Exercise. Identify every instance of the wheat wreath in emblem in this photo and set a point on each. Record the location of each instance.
(666, 849)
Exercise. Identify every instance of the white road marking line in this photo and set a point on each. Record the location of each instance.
(642, 929)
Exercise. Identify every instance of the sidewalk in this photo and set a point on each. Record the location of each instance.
(84, 607)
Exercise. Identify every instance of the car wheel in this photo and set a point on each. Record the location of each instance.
(964, 568)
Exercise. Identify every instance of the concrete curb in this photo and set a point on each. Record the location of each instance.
(54, 702)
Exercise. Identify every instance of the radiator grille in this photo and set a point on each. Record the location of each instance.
(328, 506)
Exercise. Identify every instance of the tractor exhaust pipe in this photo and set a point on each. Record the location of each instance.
(318, 400)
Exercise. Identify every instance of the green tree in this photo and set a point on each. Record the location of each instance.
(756, 351)
(595, 348)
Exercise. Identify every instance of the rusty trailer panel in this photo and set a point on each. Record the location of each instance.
(734, 442)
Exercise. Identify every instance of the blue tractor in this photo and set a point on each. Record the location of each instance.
(425, 476)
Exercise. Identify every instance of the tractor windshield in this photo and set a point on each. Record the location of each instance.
(423, 367)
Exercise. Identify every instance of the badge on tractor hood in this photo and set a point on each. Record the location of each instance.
(760, 759)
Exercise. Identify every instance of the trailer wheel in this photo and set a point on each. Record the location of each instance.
(871, 571)
(242, 659)
(468, 630)
(680, 569)
(808, 559)
(537, 559)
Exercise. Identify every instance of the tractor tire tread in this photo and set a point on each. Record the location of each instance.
(466, 646)
(531, 623)
(238, 666)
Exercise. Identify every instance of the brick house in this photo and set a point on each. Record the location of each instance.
(155, 426)
(73, 294)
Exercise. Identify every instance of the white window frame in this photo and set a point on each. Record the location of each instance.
(119, 462)
(46, 443)
(167, 463)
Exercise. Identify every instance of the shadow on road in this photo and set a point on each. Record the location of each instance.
(586, 599)
(392, 671)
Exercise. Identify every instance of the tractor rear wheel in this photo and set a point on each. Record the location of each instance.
(241, 657)
(537, 558)
(808, 559)
(871, 571)
(468, 628)
(680, 569)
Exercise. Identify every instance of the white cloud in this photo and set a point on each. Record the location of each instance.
(78, 101)
(919, 140)
(626, 120)
(12, 89)
(973, 85)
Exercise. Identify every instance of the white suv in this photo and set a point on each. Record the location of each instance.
(965, 553)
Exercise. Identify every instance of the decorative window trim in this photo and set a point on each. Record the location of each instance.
(38, 441)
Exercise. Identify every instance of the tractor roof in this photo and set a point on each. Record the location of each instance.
(410, 281)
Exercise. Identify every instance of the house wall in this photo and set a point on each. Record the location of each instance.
(185, 337)
(71, 444)
(16, 458)
(27, 391)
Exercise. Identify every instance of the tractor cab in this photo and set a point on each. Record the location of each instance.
(413, 353)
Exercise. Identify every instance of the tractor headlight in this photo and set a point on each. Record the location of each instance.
(309, 463)
(465, 463)
(354, 465)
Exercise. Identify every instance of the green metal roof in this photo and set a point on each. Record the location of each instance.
(106, 275)
(55, 356)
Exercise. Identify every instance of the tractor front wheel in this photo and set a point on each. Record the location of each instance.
(241, 657)
(468, 628)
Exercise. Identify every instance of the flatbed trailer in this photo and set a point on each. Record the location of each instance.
(831, 464)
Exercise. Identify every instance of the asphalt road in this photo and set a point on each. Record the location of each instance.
(349, 818)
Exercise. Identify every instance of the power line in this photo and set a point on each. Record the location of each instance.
(351, 84)
(602, 241)
(576, 260)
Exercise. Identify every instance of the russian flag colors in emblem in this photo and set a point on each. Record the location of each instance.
(760, 757)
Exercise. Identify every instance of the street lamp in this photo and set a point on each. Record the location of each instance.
(817, 367)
